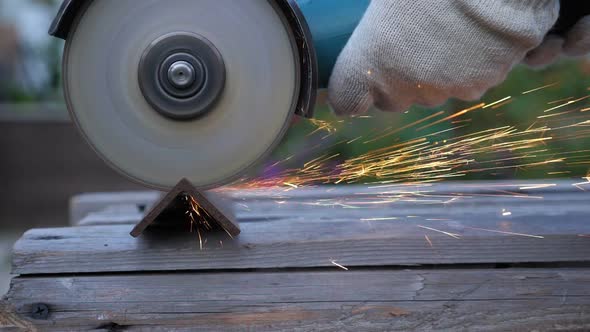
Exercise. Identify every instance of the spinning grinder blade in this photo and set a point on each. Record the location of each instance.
(171, 89)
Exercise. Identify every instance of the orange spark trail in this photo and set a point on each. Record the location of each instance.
(456, 115)
(453, 235)
(506, 233)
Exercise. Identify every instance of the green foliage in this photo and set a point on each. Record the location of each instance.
(567, 79)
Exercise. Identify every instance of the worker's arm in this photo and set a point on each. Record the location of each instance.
(407, 52)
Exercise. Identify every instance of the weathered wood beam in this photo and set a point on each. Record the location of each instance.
(475, 300)
(278, 244)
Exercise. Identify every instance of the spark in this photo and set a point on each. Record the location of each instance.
(541, 88)
(433, 158)
(200, 239)
(506, 233)
(580, 184)
(339, 265)
(354, 140)
(461, 121)
(453, 235)
(566, 103)
(405, 127)
(507, 195)
(329, 135)
(560, 100)
(428, 240)
(322, 125)
(502, 104)
(379, 219)
(555, 114)
(198, 218)
(442, 132)
(456, 115)
(537, 186)
(497, 102)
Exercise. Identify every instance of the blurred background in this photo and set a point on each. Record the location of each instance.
(43, 160)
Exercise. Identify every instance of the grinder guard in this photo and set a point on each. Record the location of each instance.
(329, 23)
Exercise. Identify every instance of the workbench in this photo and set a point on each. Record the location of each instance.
(481, 256)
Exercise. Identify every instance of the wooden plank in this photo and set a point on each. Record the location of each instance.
(551, 211)
(526, 187)
(82, 205)
(557, 214)
(279, 244)
(10, 321)
(352, 224)
(491, 188)
(367, 300)
(120, 214)
(481, 194)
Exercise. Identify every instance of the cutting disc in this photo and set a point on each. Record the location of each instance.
(240, 53)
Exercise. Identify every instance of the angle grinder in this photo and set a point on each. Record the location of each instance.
(197, 89)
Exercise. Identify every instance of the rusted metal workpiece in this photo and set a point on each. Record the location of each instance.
(172, 209)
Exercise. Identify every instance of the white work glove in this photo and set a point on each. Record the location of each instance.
(407, 52)
(573, 42)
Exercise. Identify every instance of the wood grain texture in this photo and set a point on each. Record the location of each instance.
(280, 274)
(10, 321)
(561, 209)
(279, 244)
(311, 227)
(131, 202)
(469, 300)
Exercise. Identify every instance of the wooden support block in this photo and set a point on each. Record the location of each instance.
(82, 205)
(324, 258)
(299, 233)
(268, 245)
(329, 300)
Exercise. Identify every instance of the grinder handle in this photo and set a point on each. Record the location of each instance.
(331, 23)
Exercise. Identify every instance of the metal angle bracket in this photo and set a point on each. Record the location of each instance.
(175, 208)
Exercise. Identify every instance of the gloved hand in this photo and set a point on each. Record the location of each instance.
(407, 52)
(570, 37)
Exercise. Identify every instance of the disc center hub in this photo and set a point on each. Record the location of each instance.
(182, 75)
